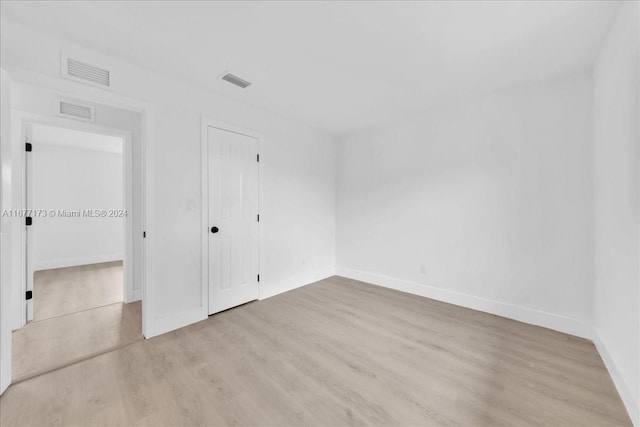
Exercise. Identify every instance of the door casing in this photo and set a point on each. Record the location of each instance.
(151, 326)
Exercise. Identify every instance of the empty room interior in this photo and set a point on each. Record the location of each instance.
(284, 213)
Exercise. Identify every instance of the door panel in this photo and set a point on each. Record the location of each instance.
(233, 209)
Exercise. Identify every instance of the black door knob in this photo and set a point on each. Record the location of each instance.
(214, 229)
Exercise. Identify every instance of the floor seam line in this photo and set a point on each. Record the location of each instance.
(75, 361)
(79, 311)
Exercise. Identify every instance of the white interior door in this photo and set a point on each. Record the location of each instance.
(233, 219)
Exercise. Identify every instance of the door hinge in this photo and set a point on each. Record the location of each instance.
(258, 217)
(257, 157)
(258, 277)
(28, 220)
(144, 234)
(28, 146)
(29, 295)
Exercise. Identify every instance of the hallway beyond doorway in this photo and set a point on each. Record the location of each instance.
(79, 314)
(69, 290)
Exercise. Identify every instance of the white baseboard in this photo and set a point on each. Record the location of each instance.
(523, 314)
(286, 287)
(73, 262)
(630, 401)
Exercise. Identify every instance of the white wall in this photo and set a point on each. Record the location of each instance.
(491, 196)
(617, 205)
(297, 172)
(71, 170)
(5, 231)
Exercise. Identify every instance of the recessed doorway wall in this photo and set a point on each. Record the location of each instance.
(78, 186)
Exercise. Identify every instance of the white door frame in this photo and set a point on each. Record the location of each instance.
(127, 158)
(68, 89)
(206, 123)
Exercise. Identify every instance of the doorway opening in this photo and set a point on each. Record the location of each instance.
(80, 298)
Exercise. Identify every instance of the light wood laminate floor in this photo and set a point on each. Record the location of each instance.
(337, 352)
(77, 313)
(50, 343)
(68, 290)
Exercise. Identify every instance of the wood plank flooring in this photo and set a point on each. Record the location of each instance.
(68, 290)
(40, 346)
(334, 353)
(77, 313)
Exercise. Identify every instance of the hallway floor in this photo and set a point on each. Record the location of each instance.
(72, 289)
(78, 312)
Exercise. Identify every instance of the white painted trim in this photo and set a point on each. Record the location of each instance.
(136, 296)
(72, 262)
(148, 225)
(27, 238)
(204, 215)
(522, 314)
(67, 88)
(128, 185)
(631, 402)
(204, 153)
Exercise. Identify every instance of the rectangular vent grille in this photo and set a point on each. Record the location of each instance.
(75, 111)
(90, 73)
(235, 80)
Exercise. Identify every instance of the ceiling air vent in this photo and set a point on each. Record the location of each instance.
(85, 73)
(75, 111)
(235, 80)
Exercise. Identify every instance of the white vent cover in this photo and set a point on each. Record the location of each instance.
(84, 72)
(235, 80)
(76, 111)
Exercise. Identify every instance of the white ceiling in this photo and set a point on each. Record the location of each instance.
(341, 66)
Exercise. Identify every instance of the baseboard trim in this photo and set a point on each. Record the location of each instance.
(553, 321)
(137, 295)
(630, 401)
(296, 284)
(188, 317)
